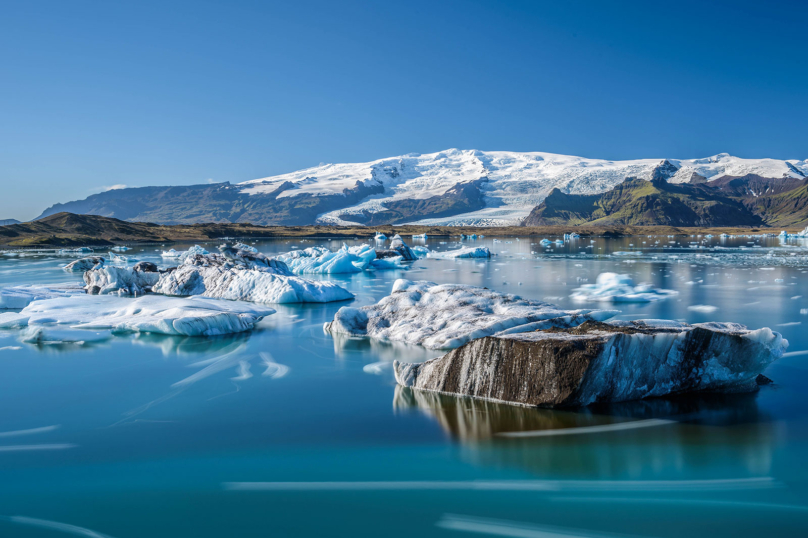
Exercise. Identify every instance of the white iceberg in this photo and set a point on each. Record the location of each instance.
(257, 280)
(420, 236)
(380, 237)
(448, 315)
(193, 316)
(465, 252)
(18, 297)
(611, 287)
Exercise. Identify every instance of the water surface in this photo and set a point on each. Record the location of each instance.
(163, 437)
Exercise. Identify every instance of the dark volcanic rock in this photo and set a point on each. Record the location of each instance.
(598, 362)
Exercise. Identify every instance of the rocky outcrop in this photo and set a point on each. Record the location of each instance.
(599, 362)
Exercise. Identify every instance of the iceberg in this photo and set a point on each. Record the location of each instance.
(380, 237)
(446, 316)
(83, 264)
(137, 280)
(420, 252)
(259, 280)
(18, 297)
(600, 362)
(611, 287)
(319, 260)
(193, 316)
(397, 248)
(420, 236)
(182, 254)
(465, 252)
(246, 248)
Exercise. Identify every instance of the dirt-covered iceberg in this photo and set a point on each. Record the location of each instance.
(600, 362)
(445, 316)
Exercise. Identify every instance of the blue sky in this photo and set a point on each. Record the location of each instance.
(96, 94)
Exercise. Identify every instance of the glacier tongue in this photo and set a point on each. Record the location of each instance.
(449, 315)
(599, 362)
(193, 316)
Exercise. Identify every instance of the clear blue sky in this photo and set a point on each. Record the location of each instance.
(94, 94)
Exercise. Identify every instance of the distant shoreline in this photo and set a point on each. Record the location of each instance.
(70, 230)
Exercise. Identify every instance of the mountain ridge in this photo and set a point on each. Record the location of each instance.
(452, 187)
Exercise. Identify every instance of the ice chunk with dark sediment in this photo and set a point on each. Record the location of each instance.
(259, 280)
(137, 280)
(601, 362)
(445, 316)
(83, 264)
(193, 316)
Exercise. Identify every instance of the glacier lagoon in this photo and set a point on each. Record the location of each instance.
(289, 431)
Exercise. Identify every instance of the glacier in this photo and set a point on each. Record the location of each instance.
(600, 362)
(445, 316)
(512, 183)
(612, 287)
(192, 316)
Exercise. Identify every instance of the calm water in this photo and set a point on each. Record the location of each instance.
(156, 436)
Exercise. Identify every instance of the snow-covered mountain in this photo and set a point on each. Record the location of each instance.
(452, 187)
(511, 183)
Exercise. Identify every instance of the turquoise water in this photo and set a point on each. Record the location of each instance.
(114, 438)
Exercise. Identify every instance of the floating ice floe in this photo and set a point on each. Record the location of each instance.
(420, 236)
(192, 316)
(18, 297)
(245, 278)
(611, 287)
(600, 362)
(380, 237)
(465, 252)
(448, 315)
